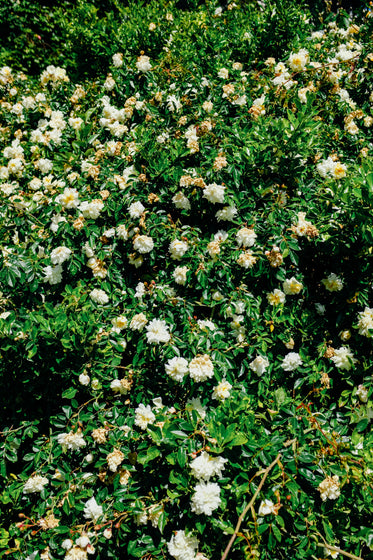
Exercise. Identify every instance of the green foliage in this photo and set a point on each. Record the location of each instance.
(186, 280)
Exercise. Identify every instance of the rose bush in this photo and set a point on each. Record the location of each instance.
(186, 290)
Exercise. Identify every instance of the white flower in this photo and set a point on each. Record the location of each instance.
(91, 209)
(157, 331)
(183, 546)
(246, 259)
(44, 165)
(333, 283)
(177, 368)
(246, 237)
(119, 323)
(362, 393)
(298, 61)
(195, 404)
(60, 255)
(259, 365)
(206, 466)
(53, 275)
(138, 322)
(181, 201)
(92, 510)
(214, 193)
(343, 358)
(35, 484)
(266, 507)
(136, 209)
(291, 361)
(71, 441)
(143, 63)
(365, 322)
(84, 379)
(221, 391)
(143, 244)
(144, 416)
(292, 286)
(114, 459)
(179, 275)
(67, 544)
(206, 498)
(329, 488)
(177, 249)
(223, 72)
(122, 232)
(117, 59)
(99, 296)
(276, 297)
(201, 368)
(226, 214)
(140, 290)
(83, 541)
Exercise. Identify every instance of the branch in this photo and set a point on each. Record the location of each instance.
(250, 504)
(336, 549)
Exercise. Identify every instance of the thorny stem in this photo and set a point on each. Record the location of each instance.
(336, 549)
(250, 504)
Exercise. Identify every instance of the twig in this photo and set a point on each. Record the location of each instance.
(336, 549)
(249, 505)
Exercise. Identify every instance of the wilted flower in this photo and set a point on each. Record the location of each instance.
(330, 488)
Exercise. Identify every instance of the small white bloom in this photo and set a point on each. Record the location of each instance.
(177, 368)
(221, 391)
(143, 244)
(35, 484)
(157, 331)
(92, 510)
(214, 193)
(84, 379)
(333, 283)
(144, 416)
(201, 368)
(266, 507)
(343, 358)
(330, 488)
(292, 286)
(136, 209)
(206, 498)
(291, 361)
(60, 255)
(183, 546)
(259, 365)
(99, 296)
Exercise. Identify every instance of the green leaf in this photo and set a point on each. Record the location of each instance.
(69, 393)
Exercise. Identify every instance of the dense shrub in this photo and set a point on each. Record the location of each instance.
(186, 281)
